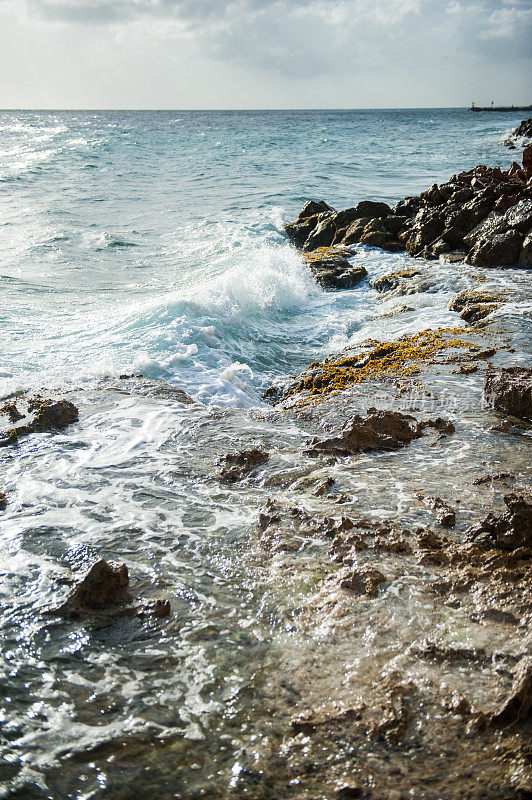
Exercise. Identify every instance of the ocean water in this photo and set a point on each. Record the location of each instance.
(152, 243)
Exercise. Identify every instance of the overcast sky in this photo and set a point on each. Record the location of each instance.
(264, 53)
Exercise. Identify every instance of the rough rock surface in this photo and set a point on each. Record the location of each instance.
(507, 531)
(482, 216)
(378, 430)
(509, 390)
(472, 306)
(103, 586)
(523, 131)
(518, 704)
(38, 415)
(235, 466)
(331, 269)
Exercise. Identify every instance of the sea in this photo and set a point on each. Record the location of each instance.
(151, 243)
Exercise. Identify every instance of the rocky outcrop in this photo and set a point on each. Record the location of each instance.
(102, 587)
(37, 415)
(518, 704)
(508, 531)
(235, 466)
(472, 306)
(509, 390)
(482, 216)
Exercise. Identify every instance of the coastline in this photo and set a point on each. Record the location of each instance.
(400, 669)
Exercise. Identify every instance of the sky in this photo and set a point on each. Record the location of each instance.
(264, 53)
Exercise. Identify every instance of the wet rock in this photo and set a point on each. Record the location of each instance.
(362, 581)
(102, 587)
(389, 282)
(331, 269)
(3, 501)
(518, 704)
(523, 131)
(508, 531)
(509, 390)
(525, 257)
(519, 216)
(378, 430)
(495, 476)
(39, 414)
(323, 487)
(473, 306)
(446, 515)
(235, 466)
(313, 207)
(147, 387)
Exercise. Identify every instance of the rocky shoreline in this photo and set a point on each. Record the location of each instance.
(411, 579)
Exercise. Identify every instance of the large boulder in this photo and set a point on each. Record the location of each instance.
(519, 216)
(509, 390)
(322, 236)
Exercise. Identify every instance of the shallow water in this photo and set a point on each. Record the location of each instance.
(152, 242)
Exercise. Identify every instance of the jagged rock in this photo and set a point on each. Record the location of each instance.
(501, 250)
(474, 305)
(332, 270)
(321, 236)
(39, 415)
(518, 704)
(103, 586)
(527, 162)
(3, 501)
(446, 515)
(300, 230)
(313, 207)
(362, 581)
(379, 430)
(509, 390)
(392, 281)
(509, 531)
(235, 466)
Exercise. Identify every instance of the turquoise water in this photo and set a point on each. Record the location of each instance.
(151, 242)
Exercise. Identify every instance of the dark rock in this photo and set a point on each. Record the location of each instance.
(322, 235)
(518, 704)
(527, 162)
(508, 531)
(355, 230)
(362, 581)
(299, 231)
(371, 209)
(490, 226)
(501, 250)
(389, 282)
(509, 390)
(519, 216)
(313, 207)
(379, 430)
(477, 311)
(103, 586)
(525, 256)
(3, 501)
(235, 466)
(39, 415)
(446, 515)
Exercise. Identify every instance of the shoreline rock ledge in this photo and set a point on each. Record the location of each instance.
(481, 217)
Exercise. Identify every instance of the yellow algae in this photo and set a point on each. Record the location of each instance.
(387, 360)
(326, 253)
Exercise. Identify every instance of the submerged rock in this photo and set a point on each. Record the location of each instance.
(508, 531)
(472, 306)
(235, 466)
(102, 587)
(509, 390)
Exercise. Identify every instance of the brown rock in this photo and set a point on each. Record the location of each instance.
(509, 390)
(235, 466)
(508, 531)
(519, 702)
(379, 430)
(363, 581)
(103, 586)
(527, 162)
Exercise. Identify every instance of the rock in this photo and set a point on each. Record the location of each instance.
(235, 466)
(371, 209)
(322, 235)
(313, 207)
(379, 430)
(501, 250)
(489, 227)
(389, 282)
(508, 531)
(147, 387)
(363, 581)
(39, 415)
(509, 390)
(103, 586)
(527, 162)
(519, 216)
(519, 702)
(525, 256)
(474, 305)
(446, 515)
(332, 270)
(3, 501)
(299, 231)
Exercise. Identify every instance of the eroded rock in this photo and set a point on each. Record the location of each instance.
(507, 531)
(35, 415)
(102, 587)
(378, 430)
(518, 704)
